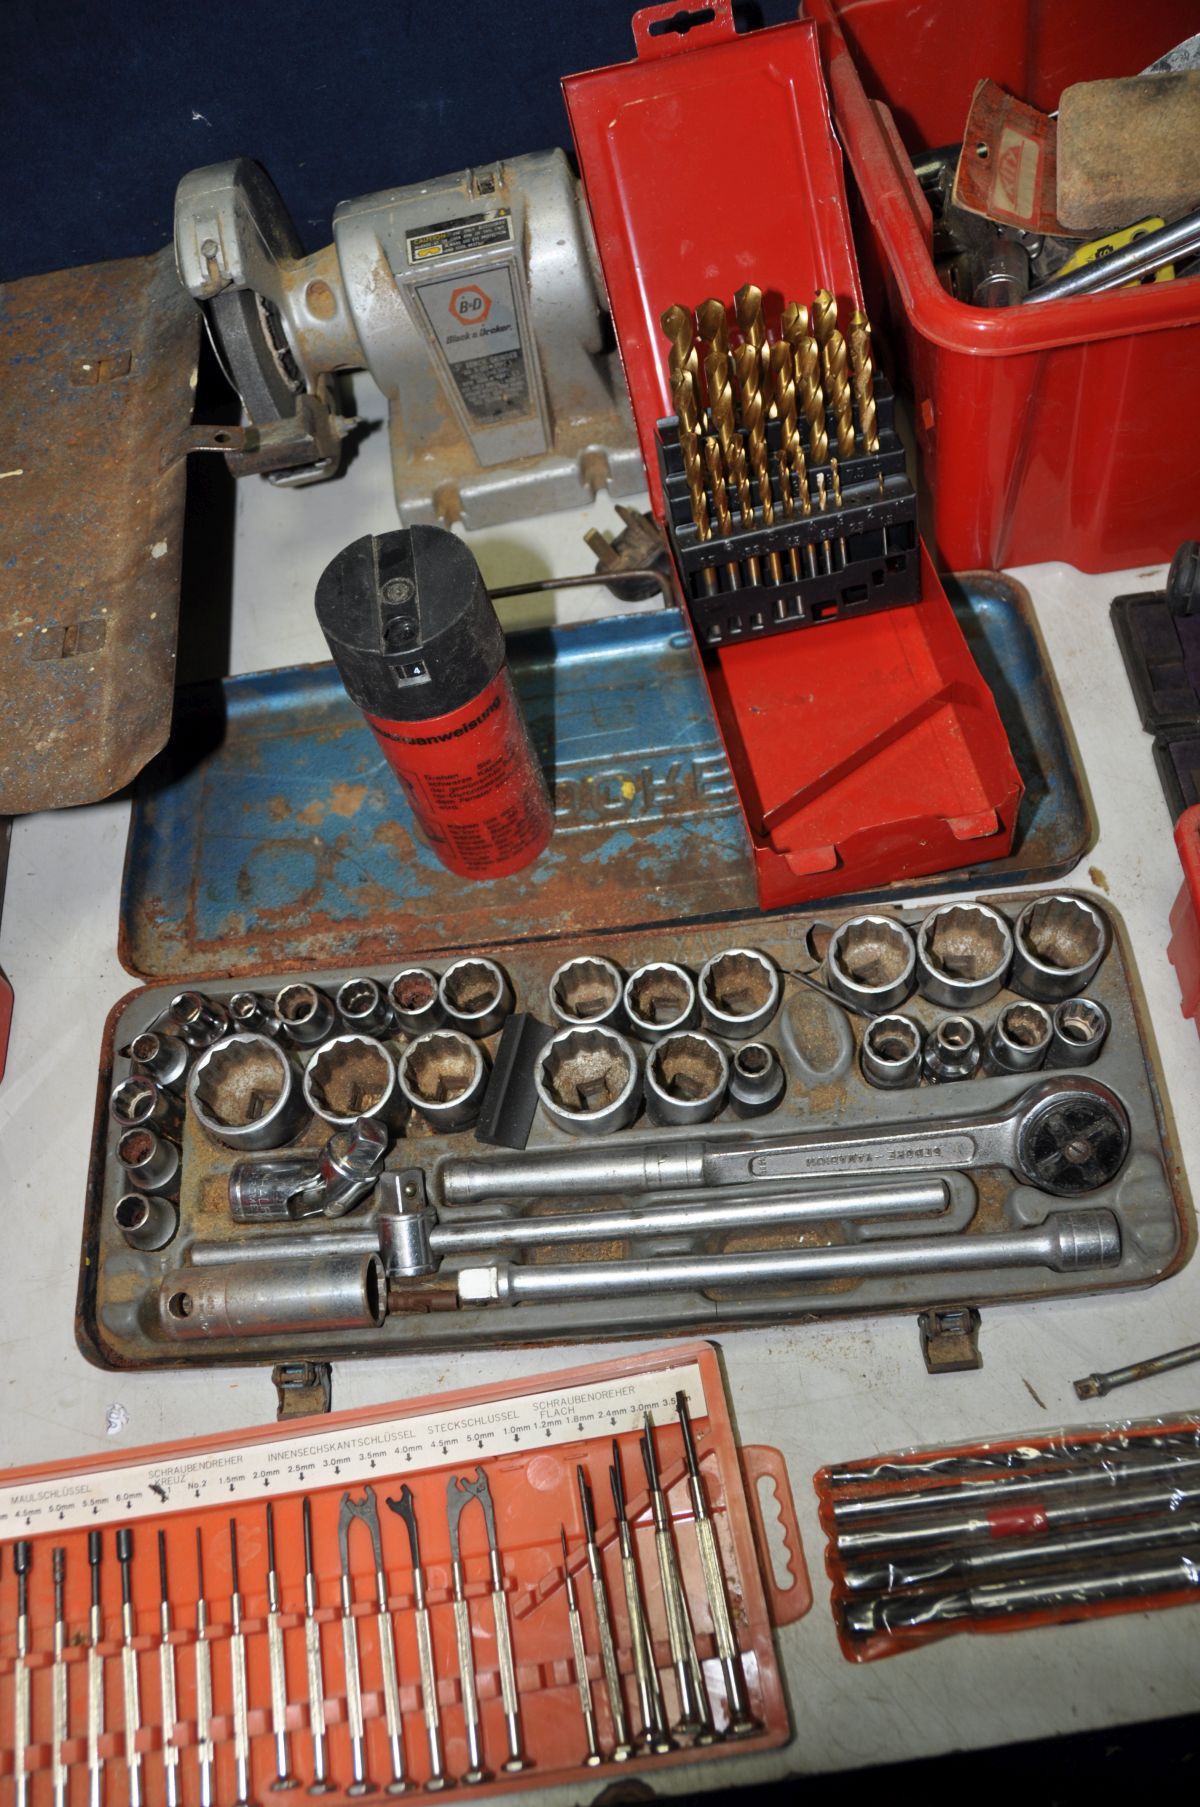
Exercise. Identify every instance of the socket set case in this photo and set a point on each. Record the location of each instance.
(524, 1438)
(864, 1239)
(1012, 1533)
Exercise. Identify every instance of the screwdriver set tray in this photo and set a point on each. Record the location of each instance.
(1012, 1533)
(735, 1123)
(538, 1581)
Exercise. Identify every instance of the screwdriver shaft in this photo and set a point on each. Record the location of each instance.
(166, 1681)
(131, 1692)
(58, 1686)
(466, 1675)
(741, 1722)
(22, 1723)
(622, 1749)
(202, 1651)
(320, 1783)
(284, 1779)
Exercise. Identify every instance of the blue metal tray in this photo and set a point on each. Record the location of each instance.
(270, 834)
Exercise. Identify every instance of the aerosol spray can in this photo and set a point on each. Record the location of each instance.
(420, 650)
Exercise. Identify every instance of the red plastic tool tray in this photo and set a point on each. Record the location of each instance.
(1036, 426)
(864, 750)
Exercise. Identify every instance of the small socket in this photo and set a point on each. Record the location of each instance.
(444, 1077)
(870, 964)
(413, 996)
(163, 1057)
(1079, 1031)
(964, 951)
(151, 1164)
(952, 1050)
(1018, 1040)
(1059, 943)
(141, 1100)
(146, 1221)
(352, 1076)
(587, 1081)
(586, 991)
(200, 1020)
(305, 1014)
(476, 996)
(253, 1015)
(739, 993)
(757, 1081)
(687, 1076)
(659, 999)
(891, 1052)
(363, 1007)
(244, 1093)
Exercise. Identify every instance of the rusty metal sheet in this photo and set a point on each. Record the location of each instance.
(97, 373)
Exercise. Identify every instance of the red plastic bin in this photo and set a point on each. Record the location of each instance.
(1040, 430)
(1183, 949)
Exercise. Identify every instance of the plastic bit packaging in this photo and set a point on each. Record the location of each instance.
(1012, 1533)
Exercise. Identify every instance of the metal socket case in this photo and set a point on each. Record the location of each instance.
(964, 951)
(305, 1014)
(586, 991)
(686, 1078)
(1079, 1031)
(146, 1220)
(413, 996)
(659, 999)
(1059, 942)
(475, 996)
(891, 1052)
(952, 1050)
(757, 1081)
(443, 1075)
(245, 1093)
(739, 993)
(588, 1082)
(1018, 1040)
(351, 1077)
(870, 964)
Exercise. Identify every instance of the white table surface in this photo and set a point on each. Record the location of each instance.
(820, 1393)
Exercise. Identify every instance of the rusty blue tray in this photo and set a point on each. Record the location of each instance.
(270, 834)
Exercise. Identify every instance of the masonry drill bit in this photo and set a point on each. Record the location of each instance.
(95, 1677)
(58, 1684)
(622, 1749)
(405, 1508)
(284, 1779)
(202, 1651)
(478, 1489)
(836, 372)
(22, 1724)
(824, 316)
(456, 1499)
(749, 309)
(654, 1734)
(350, 1657)
(713, 322)
(320, 1783)
(237, 1668)
(862, 371)
(741, 1721)
(131, 1691)
(679, 326)
(168, 1698)
(591, 1755)
(835, 484)
(367, 1511)
(694, 1715)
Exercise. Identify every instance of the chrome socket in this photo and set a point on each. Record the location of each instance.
(413, 996)
(1018, 1040)
(262, 1298)
(200, 1021)
(686, 1078)
(146, 1221)
(244, 1093)
(870, 964)
(140, 1100)
(475, 996)
(351, 1077)
(163, 1057)
(586, 992)
(1079, 1030)
(305, 1014)
(444, 1076)
(952, 1050)
(739, 993)
(587, 1081)
(252, 1015)
(891, 1052)
(363, 1007)
(659, 999)
(1059, 943)
(757, 1081)
(151, 1164)
(964, 951)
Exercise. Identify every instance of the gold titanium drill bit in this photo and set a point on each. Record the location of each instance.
(862, 370)
(720, 494)
(812, 397)
(677, 323)
(823, 504)
(836, 370)
(783, 466)
(783, 384)
(793, 323)
(835, 482)
(748, 307)
(824, 316)
(713, 322)
(796, 451)
(745, 361)
(683, 395)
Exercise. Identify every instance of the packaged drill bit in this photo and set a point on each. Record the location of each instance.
(1012, 1533)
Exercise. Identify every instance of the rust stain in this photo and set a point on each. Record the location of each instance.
(343, 800)
(277, 809)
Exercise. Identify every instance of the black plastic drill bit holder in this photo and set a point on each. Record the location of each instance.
(864, 555)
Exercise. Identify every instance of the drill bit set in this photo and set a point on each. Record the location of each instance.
(579, 1596)
(1012, 1533)
(786, 493)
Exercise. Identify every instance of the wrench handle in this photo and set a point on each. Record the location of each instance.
(429, 1694)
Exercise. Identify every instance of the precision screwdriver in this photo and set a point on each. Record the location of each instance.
(694, 1715)
(166, 1680)
(202, 1652)
(405, 1508)
(320, 1783)
(367, 1511)
(741, 1721)
(131, 1690)
(58, 1684)
(284, 1779)
(237, 1666)
(95, 1678)
(592, 1755)
(653, 1712)
(622, 1749)
(22, 1557)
